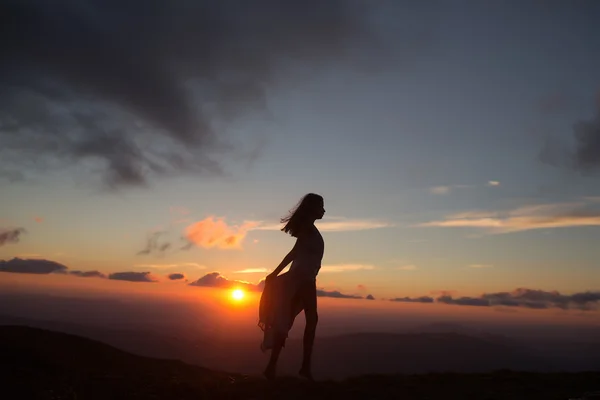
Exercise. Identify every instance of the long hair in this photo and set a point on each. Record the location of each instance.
(301, 216)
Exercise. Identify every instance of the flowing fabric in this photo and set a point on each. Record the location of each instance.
(277, 310)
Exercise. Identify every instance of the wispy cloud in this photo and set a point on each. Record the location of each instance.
(337, 224)
(169, 266)
(407, 267)
(346, 268)
(10, 235)
(440, 189)
(539, 216)
(252, 271)
(445, 189)
(154, 245)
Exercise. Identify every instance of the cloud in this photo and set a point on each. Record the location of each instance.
(440, 190)
(554, 103)
(142, 89)
(170, 266)
(10, 235)
(346, 268)
(370, 297)
(154, 246)
(32, 266)
(422, 299)
(42, 266)
(336, 294)
(339, 224)
(584, 157)
(215, 233)
(216, 280)
(463, 301)
(542, 216)
(520, 297)
(176, 276)
(479, 266)
(88, 274)
(252, 271)
(133, 276)
(361, 287)
(408, 267)
(445, 189)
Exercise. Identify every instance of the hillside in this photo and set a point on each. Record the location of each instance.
(41, 364)
(341, 356)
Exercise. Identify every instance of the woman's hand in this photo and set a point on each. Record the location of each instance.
(270, 276)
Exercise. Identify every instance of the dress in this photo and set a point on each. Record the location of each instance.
(278, 308)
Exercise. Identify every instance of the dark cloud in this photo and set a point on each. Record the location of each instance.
(133, 276)
(529, 298)
(336, 294)
(422, 299)
(10, 235)
(215, 279)
(154, 245)
(88, 274)
(585, 156)
(176, 276)
(587, 151)
(32, 266)
(554, 103)
(463, 301)
(135, 89)
(370, 297)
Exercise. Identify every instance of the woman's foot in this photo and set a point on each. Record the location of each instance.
(269, 373)
(305, 373)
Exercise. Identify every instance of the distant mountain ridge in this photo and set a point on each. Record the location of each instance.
(335, 357)
(42, 364)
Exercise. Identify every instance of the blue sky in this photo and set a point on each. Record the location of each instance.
(453, 120)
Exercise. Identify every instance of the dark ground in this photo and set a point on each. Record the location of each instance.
(41, 364)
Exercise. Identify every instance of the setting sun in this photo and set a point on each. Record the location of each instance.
(237, 294)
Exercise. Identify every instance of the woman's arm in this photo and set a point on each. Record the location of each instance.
(286, 260)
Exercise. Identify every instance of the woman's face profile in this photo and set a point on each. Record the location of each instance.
(320, 210)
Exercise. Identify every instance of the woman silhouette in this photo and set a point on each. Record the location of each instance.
(305, 256)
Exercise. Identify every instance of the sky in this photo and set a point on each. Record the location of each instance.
(456, 144)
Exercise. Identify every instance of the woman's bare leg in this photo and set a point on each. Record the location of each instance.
(308, 342)
(271, 369)
(310, 313)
